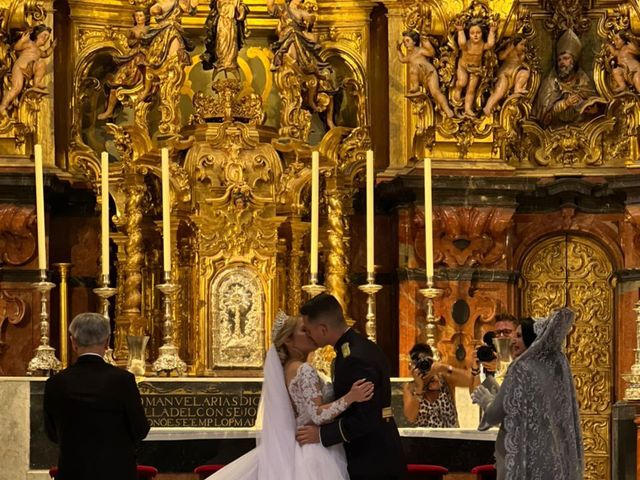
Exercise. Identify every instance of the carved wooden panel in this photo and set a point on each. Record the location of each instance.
(574, 270)
(17, 236)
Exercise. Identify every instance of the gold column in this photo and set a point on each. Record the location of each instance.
(337, 265)
(400, 135)
(132, 302)
(121, 329)
(298, 230)
(64, 268)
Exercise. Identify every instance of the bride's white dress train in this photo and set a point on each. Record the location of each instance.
(278, 456)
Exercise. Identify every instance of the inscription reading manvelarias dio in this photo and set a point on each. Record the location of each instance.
(177, 408)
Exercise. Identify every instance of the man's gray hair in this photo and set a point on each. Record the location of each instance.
(90, 329)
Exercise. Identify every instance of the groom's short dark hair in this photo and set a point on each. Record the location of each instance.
(326, 307)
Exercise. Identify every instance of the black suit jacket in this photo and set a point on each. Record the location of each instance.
(94, 412)
(372, 443)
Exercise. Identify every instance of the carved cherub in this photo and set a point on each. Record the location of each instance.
(469, 69)
(421, 72)
(131, 67)
(513, 73)
(31, 50)
(624, 50)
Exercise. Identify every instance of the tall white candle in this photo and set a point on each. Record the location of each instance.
(370, 213)
(42, 248)
(104, 218)
(428, 219)
(166, 212)
(315, 210)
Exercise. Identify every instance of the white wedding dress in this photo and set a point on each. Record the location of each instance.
(277, 455)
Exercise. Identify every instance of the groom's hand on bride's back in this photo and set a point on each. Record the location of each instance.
(308, 434)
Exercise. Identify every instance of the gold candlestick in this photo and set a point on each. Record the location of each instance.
(632, 392)
(371, 288)
(431, 328)
(105, 292)
(64, 313)
(314, 288)
(44, 361)
(169, 358)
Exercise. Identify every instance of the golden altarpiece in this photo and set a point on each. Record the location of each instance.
(530, 111)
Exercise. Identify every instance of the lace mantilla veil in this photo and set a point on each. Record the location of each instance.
(543, 434)
(276, 439)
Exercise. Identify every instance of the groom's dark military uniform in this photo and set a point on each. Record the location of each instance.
(367, 429)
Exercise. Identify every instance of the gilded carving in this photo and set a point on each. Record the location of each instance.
(17, 235)
(305, 80)
(574, 271)
(131, 67)
(227, 103)
(470, 69)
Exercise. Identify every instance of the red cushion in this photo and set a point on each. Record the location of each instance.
(145, 471)
(205, 470)
(484, 469)
(413, 468)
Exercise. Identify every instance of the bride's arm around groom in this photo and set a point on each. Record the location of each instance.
(367, 430)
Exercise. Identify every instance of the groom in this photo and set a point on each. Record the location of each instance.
(368, 430)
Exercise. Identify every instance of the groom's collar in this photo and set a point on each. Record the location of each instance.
(343, 340)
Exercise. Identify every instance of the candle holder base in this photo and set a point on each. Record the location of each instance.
(371, 289)
(105, 293)
(44, 360)
(632, 392)
(431, 292)
(430, 328)
(169, 360)
(314, 289)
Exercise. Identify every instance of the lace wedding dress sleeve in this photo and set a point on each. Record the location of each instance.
(306, 391)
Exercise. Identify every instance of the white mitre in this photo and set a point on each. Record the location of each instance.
(570, 43)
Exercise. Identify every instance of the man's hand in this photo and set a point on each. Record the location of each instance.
(308, 434)
(482, 396)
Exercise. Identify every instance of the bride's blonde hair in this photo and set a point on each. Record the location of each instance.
(284, 328)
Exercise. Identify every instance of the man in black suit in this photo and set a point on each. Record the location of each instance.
(367, 429)
(93, 410)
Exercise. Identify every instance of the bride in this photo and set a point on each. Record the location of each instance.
(294, 394)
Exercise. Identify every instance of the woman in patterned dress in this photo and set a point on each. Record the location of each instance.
(428, 400)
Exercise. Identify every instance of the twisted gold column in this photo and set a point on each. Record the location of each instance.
(338, 240)
(132, 291)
